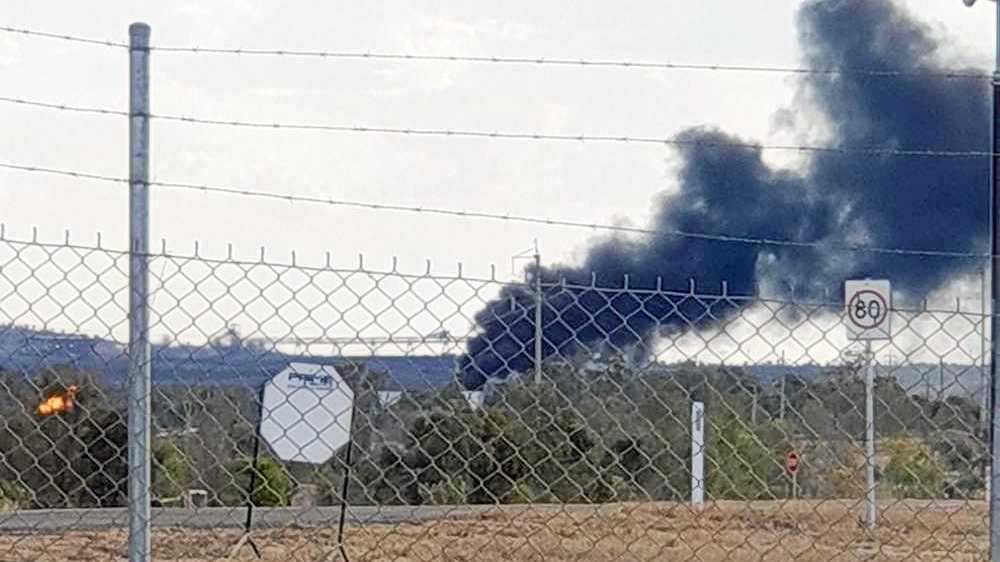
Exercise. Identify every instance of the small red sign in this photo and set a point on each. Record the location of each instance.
(792, 463)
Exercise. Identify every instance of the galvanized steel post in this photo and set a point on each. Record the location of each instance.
(138, 311)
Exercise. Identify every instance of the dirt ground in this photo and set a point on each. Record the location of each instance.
(801, 531)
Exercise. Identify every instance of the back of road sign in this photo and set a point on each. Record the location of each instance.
(306, 413)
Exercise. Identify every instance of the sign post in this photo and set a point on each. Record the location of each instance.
(306, 415)
(868, 305)
(698, 455)
(248, 523)
(792, 468)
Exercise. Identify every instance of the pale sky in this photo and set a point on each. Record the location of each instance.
(594, 182)
(589, 182)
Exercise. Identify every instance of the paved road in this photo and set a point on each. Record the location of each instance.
(60, 520)
(54, 521)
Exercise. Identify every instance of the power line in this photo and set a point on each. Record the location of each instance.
(533, 136)
(722, 238)
(530, 61)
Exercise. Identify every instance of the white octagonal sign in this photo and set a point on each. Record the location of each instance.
(306, 413)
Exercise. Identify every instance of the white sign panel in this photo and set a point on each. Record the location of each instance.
(475, 398)
(306, 413)
(868, 306)
(386, 398)
(698, 454)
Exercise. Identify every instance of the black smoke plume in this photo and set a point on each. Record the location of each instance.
(834, 199)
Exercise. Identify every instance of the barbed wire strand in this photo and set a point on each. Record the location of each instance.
(64, 107)
(533, 136)
(289, 198)
(62, 37)
(525, 60)
(583, 62)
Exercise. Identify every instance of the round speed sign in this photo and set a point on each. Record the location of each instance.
(867, 309)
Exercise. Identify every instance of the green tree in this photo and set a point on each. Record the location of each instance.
(742, 463)
(964, 456)
(70, 459)
(171, 469)
(103, 463)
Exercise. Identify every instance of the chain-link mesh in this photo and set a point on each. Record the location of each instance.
(463, 447)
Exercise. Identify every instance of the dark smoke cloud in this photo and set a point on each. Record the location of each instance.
(834, 199)
(900, 202)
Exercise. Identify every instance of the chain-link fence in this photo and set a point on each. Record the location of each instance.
(462, 445)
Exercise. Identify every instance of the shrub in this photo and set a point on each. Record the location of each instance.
(171, 469)
(450, 491)
(914, 471)
(273, 487)
(13, 496)
(526, 491)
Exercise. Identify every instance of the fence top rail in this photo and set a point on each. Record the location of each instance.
(694, 292)
(549, 287)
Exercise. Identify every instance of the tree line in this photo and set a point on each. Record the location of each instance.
(618, 433)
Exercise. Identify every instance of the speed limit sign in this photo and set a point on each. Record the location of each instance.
(868, 306)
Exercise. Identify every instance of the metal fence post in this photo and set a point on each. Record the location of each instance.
(139, 349)
(871, 511)
(984, 371)
(539, 301)
(994, 426)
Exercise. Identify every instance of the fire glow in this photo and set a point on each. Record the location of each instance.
(58, 403)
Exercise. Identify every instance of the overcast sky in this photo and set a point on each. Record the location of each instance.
(588, 182)
(594, 182)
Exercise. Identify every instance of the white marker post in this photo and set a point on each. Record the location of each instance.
(698, 455)
(868, 305)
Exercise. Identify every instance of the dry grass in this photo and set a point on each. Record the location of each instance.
(803, 531)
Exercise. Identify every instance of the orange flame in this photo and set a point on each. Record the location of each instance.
(58, 403)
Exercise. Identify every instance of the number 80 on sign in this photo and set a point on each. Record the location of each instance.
(868, 306)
